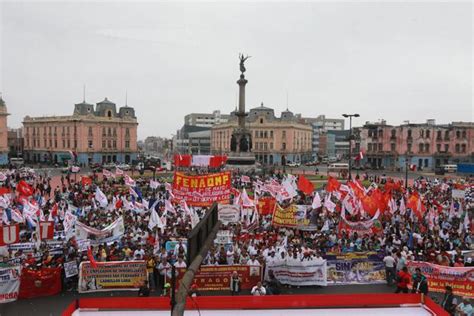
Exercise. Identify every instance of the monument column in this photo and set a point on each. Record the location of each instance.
(241, 113)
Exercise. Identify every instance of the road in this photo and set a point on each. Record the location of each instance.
(54, 305)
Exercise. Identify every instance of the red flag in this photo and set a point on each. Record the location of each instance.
(217, 161)
(86, 181)
(91, 258)
(24, 188)
(305, 185)
(332, 184)
(182, 160)
(4, 190)
(43, 282)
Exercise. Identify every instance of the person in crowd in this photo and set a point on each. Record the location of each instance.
(144, 290)
(390, 272)
(464, 308)
(273, 285)
(258, 290)
(448, 302)
(403, 280)
(235, 281)
(420, 283)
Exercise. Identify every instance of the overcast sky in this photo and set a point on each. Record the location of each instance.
(396, 61)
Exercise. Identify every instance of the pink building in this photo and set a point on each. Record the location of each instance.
(95, 135)
(426, 145)
(3, 133)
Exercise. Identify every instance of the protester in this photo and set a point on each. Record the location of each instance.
(403, 280)
(235, 283)
(420, 283)
(258, 290)
(448, 302)
(464, 308)
(144, 291)
(390, 272)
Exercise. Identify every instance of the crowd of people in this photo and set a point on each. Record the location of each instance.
(437, 228)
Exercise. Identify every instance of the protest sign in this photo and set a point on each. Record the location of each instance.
(202, 190)
(217, 278)
(70, 269)
(299, 273)
(42, 282)
(228, 213)
(9, 234)
(111, 276)
(171, 244)
(460, 279)
(458, 194)
(109, 234)
(355, 268)
(9, 283)
(295, 216)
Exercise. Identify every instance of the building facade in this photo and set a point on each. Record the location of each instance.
(425, 145)
(273, 138)
(206, 119)
(3, 133)
(15, 142)
(99, 135)
(321, 125)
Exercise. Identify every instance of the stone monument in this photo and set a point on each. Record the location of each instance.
(241, 140)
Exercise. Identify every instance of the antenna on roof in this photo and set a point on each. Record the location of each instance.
(287, 99)
(83, 93)
(126, 98)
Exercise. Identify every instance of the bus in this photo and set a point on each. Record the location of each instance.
(17, 162)
(338, 167)
(450, 168)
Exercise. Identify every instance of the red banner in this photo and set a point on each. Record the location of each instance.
(217, 278)
(9, 234)
(266, 205)
(43, 282)
(460, 279)
(202, 190)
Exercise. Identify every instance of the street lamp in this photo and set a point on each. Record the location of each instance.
(350, 116)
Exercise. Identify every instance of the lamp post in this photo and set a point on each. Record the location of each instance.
(350, 116)
(406, 170)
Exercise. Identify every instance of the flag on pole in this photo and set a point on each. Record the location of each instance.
(101, 198)
(316, 201)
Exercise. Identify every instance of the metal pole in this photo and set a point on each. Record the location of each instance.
(350, 146)
(173, 288)
(406, 171)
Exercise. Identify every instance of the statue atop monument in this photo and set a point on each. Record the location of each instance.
(242, 61)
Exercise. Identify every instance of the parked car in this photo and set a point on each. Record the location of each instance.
(123, 166)
(312, 163)
(293, 164)
(109, 166)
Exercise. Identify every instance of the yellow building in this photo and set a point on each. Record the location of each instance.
(273, 139)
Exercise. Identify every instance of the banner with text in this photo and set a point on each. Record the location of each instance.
(9, 284)
(202, 190)
(228, 213)
(266, 205)
(42, 282)
(217, 278)
(292, 216)
(460, 279)
(355, 268)
(111, 276)
(299, 273)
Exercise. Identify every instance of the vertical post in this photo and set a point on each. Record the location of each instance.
(350, 147)
(173, 288)
(406, 171)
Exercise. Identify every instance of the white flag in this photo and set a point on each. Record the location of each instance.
(154, 219)
(101, 198)
(316, 201)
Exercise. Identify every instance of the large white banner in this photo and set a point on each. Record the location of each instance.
(295, 272)
(112, 232)
(9, 283)
(228, 213)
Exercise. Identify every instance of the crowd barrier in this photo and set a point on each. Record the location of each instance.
(260, 302)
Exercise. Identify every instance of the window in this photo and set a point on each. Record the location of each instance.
(380, 133)
(271, 134)
(127, 144)
(446, 147)
(75, 130)
(427, 134)
(127, 132)
(265, 146)
(392, 147)
(68, 143)
(463, 148)
(394, 133)
(109, 144)
(427, 148)
(283, 134)
(115, 131)
(90, 131)
(109, 132)
(283, 146)
(114, 144)
(369, 147)
(409, 133)
(380, 146)
(409, 147)
(103, 144)
(104, 132)
(271, 146)
(50, 143)
(422, 132)
(463, 134)
(55, 143)
(457, 148)
(64, 143)
(438, 135)
(55, 130)
(421, 146)
(458, 134)
(67, 130)
(75, 143)
(446, 135)
(261, 121)
(44, 143)
(265, 134)
(109, 113)
(50, 130)
(438, 147)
